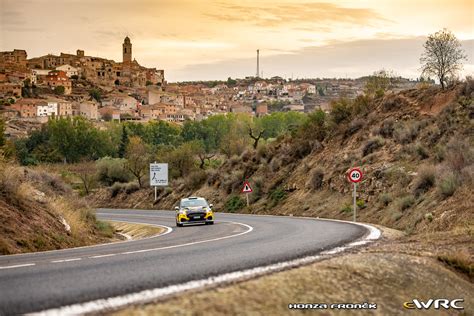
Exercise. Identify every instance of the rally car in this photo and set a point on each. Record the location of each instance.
(193, 210)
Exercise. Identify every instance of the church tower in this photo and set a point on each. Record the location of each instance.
(127, 50)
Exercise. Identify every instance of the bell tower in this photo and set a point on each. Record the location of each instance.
(127, 50)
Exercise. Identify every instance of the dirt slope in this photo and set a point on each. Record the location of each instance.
(39, 212)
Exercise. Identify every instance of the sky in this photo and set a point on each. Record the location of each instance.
(216, 39)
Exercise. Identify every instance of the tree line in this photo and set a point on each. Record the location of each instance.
(72, 140)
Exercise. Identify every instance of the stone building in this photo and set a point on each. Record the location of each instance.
(15, 59)
(104, 71)
(58, 78)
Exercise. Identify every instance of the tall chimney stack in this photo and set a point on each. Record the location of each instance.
(258, 63)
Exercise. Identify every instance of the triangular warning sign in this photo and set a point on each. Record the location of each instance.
(247, 188)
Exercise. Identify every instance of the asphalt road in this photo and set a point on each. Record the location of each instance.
(39, 281)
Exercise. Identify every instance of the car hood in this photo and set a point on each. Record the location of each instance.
(196, 209)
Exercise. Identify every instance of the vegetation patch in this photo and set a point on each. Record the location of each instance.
(234, 203)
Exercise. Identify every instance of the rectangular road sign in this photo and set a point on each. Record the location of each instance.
(158, 174)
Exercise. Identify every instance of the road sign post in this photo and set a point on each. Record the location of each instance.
(247, 189)
(158, 176)
(355, 176)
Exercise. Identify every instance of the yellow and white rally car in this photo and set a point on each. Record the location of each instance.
(193, 210)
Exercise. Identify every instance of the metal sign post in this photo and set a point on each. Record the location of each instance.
(355, 202)
(355, 176)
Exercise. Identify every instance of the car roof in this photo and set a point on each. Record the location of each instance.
(193, 198)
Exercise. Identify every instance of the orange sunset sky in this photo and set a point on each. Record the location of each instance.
(208, 39)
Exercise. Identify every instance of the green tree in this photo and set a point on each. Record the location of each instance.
(314, 127)
(231, 82)
(123, 142)
(181, 159)
(95, 94)
(442, 57)
(59, 90)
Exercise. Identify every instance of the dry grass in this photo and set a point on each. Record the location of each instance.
(33, 208)
(460, 261)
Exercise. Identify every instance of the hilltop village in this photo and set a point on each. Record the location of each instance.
(100, 89)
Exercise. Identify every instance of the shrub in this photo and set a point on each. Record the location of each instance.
(262, 151)
(361, 104)
(315, 126)
(116, 188)
(361, 204)
(354, 126)
(131, 187)
(340, 110)
(425, 180)
(396, 215)
(234, 203)
(386, 129)
(391, 102)
(195, 179)
(406, 202)
(301, 148)
(213, 177)
(277, 195)
(429, 217)
(372, 145)
(448, 184)
(346, 208)
(385, 199)
(422, 152)
(406, 132)
(111, 170)
(440, 153)
(459, 154)
(257, 187)
(316, 179)
(275, 164)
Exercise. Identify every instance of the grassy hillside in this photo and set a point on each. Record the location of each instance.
(415, 149)
(38, 211)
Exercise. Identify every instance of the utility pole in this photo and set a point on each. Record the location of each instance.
(258, 63)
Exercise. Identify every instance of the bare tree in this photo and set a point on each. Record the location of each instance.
(86, 173)
(442, 56)
(256, 137)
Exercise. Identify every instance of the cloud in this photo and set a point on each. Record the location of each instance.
(272, 15)
(338, 59)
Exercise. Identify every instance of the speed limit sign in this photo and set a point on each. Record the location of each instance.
(355, 175)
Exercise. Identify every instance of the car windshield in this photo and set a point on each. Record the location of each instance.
(194, 203)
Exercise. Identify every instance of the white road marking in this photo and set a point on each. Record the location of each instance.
(151, 295)
(102, 256)
(136, 215)
(18, 266)
(66, 260)
(250, 228)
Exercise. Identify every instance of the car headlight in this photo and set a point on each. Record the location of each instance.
(182, 212)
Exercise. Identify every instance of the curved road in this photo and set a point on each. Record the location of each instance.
(45, 280)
